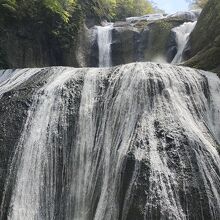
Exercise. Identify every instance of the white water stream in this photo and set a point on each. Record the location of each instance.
(104, 44)
(182, 36)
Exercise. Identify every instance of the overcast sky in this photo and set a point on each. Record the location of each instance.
(171, 6)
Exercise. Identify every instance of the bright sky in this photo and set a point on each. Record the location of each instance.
(171, 6)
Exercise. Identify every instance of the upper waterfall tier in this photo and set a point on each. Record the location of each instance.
(138, 141)
(156, 38)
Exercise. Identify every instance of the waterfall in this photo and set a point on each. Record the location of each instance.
(10, 79)
(104, 45)
(182, 36)
(138, 141)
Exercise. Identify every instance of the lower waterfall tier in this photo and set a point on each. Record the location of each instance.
(133, 142)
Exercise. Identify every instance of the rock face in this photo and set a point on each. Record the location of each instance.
(203, 50)
(87, 48)
(139, 141)
(20, 50)
(145, 41)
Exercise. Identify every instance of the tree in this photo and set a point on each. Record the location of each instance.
(198, 3)
(120, 9)
(128, 8)
(27, 8)
(64, 8)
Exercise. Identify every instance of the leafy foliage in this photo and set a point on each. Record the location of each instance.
(64, 10)
(120, 9)
(23, 8)
(62, 18)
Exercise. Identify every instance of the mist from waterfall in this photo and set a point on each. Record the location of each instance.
(104, 37)
(110, 143)
(182, 34)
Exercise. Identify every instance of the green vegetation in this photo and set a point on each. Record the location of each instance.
(23, 8)
(66, 14)
(66, 9)
(120, 9)
(40, 16)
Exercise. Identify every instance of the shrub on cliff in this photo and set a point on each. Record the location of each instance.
(120, 9)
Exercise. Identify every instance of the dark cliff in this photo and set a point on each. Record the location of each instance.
(203, 50)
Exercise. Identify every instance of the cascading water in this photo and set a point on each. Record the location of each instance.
(182, 36)
(104, 36)
(138, 141)
(10, 80)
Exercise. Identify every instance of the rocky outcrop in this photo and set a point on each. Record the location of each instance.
(203, 50)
